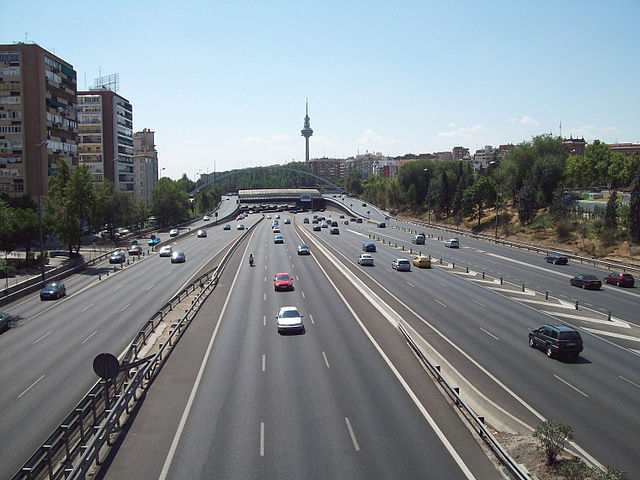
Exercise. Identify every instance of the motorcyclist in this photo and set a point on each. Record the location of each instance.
(251, 259)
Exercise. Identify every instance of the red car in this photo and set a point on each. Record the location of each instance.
(620, 279)
(282, 281)
(135, 250)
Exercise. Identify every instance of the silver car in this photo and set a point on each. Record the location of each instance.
(165, 251)
(365, 259)
(289, 320)
(174, 232)
(401, 264)
(202, 233)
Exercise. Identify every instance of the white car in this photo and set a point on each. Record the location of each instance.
(289, 320)
(401, 264)
(240, 227)
(165, 251)
(452, 243)
(205, 218)
(365, 259)
(287, 221)
(174, 232)
(276, 229)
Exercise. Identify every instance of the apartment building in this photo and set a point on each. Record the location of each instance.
(625, 148)
(460, 153)
(576, 145)
(330, 168)
(145, 165)
(105, 137)
(38, 120)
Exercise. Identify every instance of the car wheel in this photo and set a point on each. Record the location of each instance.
(532, 343)
(555, 262)
(549, 352)
(584, 285)
(618, 283)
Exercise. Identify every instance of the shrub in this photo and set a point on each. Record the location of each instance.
(608, 474)
(553, 436)
(575, 470)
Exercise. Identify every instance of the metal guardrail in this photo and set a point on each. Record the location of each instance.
(476, 422)
(76, 445)
(524, 246)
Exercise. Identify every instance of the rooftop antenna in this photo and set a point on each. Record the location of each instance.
(26, 37)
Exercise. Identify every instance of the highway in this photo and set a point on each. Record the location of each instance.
(46, 359)
(242, 401)
(237, 399)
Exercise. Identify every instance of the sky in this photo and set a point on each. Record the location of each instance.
(223, 84)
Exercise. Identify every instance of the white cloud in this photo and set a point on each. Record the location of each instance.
(371, 138)
(512, 120)
(461, 132)
(527, 120)
(451, 125)
(281, 138)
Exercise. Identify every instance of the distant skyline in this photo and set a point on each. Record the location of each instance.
(227, 82)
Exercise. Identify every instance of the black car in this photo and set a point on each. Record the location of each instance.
(590, 282)
(369, 247)
(53, 290)
(382, 225)
(316, 228)
(5, 321)
(556, 340)
(556, 258)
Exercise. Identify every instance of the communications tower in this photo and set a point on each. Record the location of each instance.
(307, 132)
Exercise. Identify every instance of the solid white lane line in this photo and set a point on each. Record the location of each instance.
(632, 383)
(490, 334)
(302, 293)
(324, 355)
(438, 301)
(311, 317)
(86, 308)
(262, 439)
(43, 336)
(31, 386)
(479, 303)
(569, 385)
(353, 436)
(264, 362)
(87, 339)
(529, 265)
(125, 307)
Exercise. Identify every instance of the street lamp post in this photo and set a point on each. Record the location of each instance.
(38, 155)
(496, 210)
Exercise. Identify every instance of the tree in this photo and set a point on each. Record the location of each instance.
(352, 183)
(597, 158)
(478, 196)
(110, 207)
(64, 220)
(444, 195)
(170, 203)
(634, 211)
(526, 204)
(553, 436)
(26, 227)
(558, 209)
(611, 213)
(7, 240)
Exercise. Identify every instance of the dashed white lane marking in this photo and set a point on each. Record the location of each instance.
(265, 278)
(87, 339)
(438, 301)
(302, 293)
(262, 439)
(31, 386)
(265, 296)
(125, 307)
(569, 385)
(353, 436)
(411, 284)
(632, 383)
(264, 320)
(86, 308)
(479, 303)
(489, 333)
(43, 336)
(311, 317)
(264, 363)
(324, 355)
(149, 287)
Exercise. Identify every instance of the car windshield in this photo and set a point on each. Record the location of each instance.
(590, 277)
(51, 285)
(282, 278)
(289, 314)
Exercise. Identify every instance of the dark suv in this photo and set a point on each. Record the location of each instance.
(556, 340)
